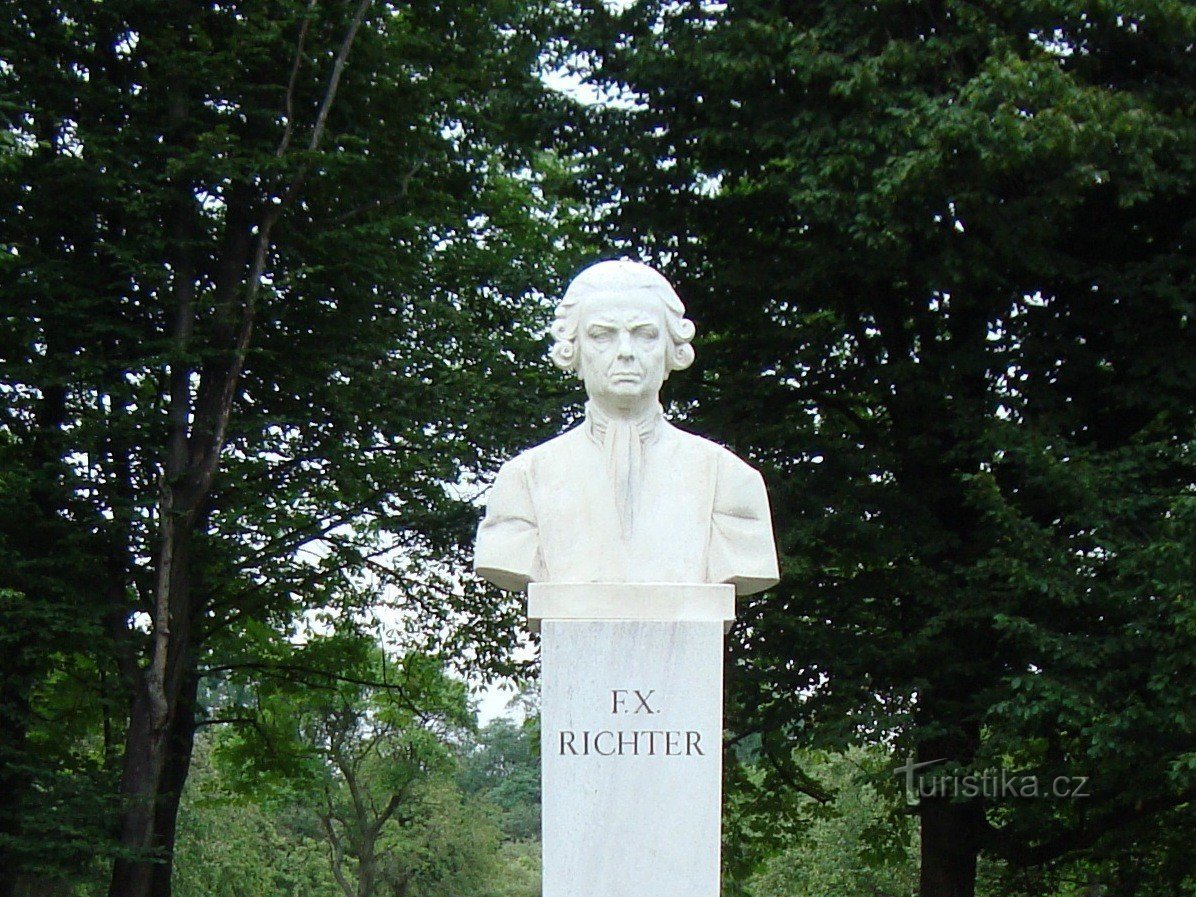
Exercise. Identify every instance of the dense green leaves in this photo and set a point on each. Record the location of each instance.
(940, 260)
(341, 777)
(504, 768)
(271, 272)
(854, 836)
(366, 741)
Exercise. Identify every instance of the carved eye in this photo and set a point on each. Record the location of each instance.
(600, 334)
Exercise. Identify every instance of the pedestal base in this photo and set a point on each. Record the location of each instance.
(631, 741)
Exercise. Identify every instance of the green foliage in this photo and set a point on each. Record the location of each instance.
(502, 765)
(860, 841)
(193, 223)
(940, 260)
(338, 746)
(68, 780)
(229, 846)
(519, 869)
(363, 746)
(447, 847)
(337, 699)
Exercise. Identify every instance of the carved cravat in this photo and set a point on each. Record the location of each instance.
(623, 443)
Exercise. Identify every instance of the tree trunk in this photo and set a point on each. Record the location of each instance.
(366, 873)
(162, 713)
(181, 738)
(949, 848)
(132, 874)
(152, 738)
(930, 468)
(14, 713)
(951, 826)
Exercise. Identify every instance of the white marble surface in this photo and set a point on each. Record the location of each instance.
(632, 726)
(665, 602)
(631, 745)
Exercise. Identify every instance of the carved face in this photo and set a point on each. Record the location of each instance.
(622, 342)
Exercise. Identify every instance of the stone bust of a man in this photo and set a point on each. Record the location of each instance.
(626, 496)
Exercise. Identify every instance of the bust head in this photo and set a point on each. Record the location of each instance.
(621, 328)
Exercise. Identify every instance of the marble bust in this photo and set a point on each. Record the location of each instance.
(626, 496)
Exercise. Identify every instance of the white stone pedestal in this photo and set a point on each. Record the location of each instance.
(631, 741)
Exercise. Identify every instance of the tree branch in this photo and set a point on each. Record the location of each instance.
(381, 202)
(289, 102)
(227, 720)
(393, 804)
(803, 784)
(334, 846)
(1005, 844)
(299, 669)
(338, 67)
(223, 396)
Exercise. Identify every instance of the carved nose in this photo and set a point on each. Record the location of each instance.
(624, 348)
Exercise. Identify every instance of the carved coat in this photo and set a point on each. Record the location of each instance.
(698, 514)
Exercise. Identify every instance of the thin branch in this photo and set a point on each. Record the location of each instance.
(289, 128)
(237, 600)
(349, 774)
(298, 669)
(227, 720)
(402, 579)
(338, 67)
(393, 804)
(803, 785)
(232, 374)
(334, 846)
(381, 202)
(302, 535)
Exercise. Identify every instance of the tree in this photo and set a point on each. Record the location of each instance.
(229, 845)
(370, 741)
(254, 257)
(941, 258)
(502, 765)
(854, 840)
(66, 781)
